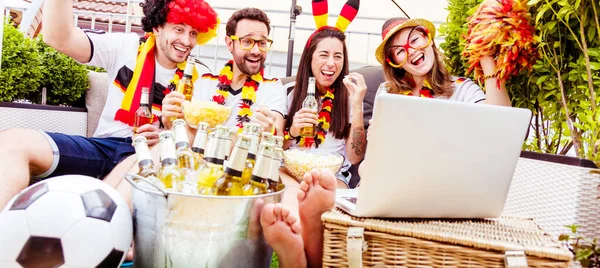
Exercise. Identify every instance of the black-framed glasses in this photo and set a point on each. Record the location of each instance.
(248, 43)
(418, 38)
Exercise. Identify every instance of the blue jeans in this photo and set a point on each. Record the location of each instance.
(94, 157)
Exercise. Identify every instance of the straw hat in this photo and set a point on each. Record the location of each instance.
(393, 25)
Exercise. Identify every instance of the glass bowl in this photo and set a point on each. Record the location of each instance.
(196, 111)
(299, 161)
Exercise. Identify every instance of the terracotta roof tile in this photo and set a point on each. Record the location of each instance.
(103, 6)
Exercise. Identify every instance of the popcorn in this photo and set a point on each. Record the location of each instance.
(210, 112)
(298, 162)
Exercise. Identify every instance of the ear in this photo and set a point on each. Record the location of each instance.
(229, 43)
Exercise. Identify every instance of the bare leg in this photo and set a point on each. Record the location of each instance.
(316, 196)
(282, 232)
(23, 153)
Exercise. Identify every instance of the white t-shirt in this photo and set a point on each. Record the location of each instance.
(270, 93)
(331, 143)
(117, 54)
(465, 90)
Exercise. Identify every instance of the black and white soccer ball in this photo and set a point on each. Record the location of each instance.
(67, 221)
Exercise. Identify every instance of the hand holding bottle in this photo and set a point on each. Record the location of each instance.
(265, 117)
(171, 107)
(150, 132)
(303, 118)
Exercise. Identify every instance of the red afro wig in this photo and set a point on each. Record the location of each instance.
(195, 13)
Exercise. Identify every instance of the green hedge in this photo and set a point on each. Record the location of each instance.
(30, 65)
(21, 69)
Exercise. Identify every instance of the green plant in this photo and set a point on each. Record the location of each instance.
(561, 90)
(453, 31)
(65, 79)
(586, 250)
(21, 71)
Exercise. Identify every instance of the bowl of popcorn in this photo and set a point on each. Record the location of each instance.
(196, 111)
(299, 161)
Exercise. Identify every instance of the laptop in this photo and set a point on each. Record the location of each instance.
(432, 158)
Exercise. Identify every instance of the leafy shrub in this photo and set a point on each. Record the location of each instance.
(561, 90)
(29, 65)
(586, 250)
(65, 79)
(21, 71)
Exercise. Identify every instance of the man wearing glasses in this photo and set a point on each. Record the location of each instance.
(241, 84)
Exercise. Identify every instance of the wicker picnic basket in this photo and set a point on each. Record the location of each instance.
(502, 242)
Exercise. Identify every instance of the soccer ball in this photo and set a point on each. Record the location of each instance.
(65, 221)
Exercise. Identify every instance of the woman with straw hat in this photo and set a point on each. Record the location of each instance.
(413, 66)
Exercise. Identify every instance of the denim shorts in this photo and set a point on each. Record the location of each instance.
(94, 157)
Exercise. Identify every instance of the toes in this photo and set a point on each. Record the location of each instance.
(301, 195)
(285, 213)
(308, 178)
(290, 219)
(316, 176)
(277, 212)
(304, 186)
(296, 227)
(327, 179)
(267, 216)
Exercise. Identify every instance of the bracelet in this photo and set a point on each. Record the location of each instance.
(288, 136)
(495, 74)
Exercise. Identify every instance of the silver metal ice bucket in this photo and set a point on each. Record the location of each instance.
(180, 230)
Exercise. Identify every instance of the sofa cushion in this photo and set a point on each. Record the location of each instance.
(95, 98)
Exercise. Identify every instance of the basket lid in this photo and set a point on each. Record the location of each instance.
(501, 234)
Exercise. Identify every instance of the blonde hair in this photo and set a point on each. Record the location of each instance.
(438, 77)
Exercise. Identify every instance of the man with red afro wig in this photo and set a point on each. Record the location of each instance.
(155, 60)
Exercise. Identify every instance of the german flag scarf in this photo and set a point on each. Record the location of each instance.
(143, 76)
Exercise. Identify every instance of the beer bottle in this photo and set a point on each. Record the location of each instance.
(213, 160)
(200, 142)
(231, 182)
(278, 141)
(147, 169)
(275, 183)
(169, 171)
(143, 115)
(266, 137)
(260, 174)
(186, 86)
(253, 131)
(185, 156)
(310, 102)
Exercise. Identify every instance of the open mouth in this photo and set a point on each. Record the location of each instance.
(182, 49)
(418, 60)
(328, 74)
(254, 61)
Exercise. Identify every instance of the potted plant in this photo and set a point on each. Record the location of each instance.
(40, 87)
(561, 91)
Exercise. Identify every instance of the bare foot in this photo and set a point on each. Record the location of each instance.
(282, 232)
(316, 196)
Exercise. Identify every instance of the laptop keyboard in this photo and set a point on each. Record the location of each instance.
(351, 199)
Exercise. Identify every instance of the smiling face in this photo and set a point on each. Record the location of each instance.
(327, 61)
(412, 48)
(175, 43)
(249, 61)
